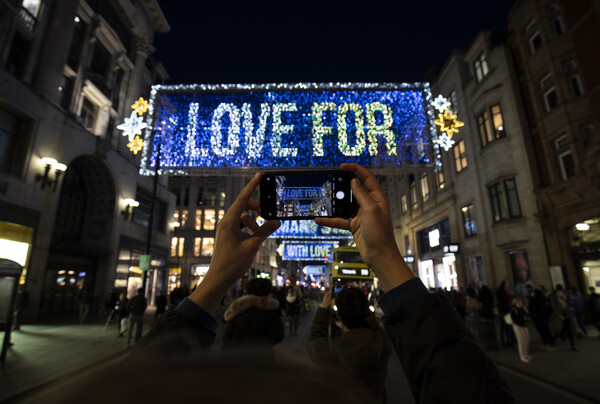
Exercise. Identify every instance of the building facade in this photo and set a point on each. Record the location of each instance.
(553, 43)
(473, 222)
(70, 70)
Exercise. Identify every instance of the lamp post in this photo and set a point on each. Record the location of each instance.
(151, 219)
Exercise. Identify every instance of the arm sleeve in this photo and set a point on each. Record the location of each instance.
(318, 346)
(441, 360)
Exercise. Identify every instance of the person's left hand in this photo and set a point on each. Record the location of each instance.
(234, 250)
(326, 304)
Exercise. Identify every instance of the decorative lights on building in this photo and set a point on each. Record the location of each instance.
(134, 124)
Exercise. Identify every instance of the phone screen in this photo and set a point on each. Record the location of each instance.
(306, 195)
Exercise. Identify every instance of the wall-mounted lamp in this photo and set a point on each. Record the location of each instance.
(129, 204)
(49, 164)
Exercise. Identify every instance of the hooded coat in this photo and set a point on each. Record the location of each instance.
(253, 319)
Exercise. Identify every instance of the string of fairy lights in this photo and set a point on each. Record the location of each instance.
(358, 118)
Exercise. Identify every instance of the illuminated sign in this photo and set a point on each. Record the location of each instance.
(354, 272)
(451, 248)
(209, 127)
(308, 229)
(434, 238)
(409, 259)
(295, 251)
(316, 270)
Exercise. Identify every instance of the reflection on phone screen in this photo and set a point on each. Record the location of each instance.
(300, 195)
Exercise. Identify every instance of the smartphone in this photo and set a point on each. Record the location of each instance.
(306, 195)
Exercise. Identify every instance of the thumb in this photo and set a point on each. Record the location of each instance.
(266, 230)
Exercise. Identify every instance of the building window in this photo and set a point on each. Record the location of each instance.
(221, 214)
(89, 112)
(502, 195)
(404, 203)
(222, 199)
(468, 217)
(210, 197)
(550, 99)
(480, 66)
(9, 134)
(460, 156)
(561, 142)
(512, 197)
(570, 65)
(425, 186)
(575, 84)
(198, 219)
(452, 97)
(566, 164)
(209, 219)
(558, 26)
(413, 196)
(184, 216)
(491, 129)
(197, 245)
(535, 42)
(407, 247)
(547, 79)
(177, 246)
(440, 179)
(207, 246)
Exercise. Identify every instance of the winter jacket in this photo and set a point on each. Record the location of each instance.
(137, 305)
(364, 352)
(253, 319)
(441, 359)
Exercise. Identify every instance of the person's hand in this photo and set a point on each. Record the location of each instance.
(234, 250)
(326, 300)
(372, 229)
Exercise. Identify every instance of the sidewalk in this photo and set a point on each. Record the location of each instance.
(577, 372)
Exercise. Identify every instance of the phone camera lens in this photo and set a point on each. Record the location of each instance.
(340, 195)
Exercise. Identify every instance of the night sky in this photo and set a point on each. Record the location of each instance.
(318, 41)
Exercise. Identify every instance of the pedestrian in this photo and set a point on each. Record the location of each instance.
(504, 297)
(575, 300)
(122, 311)
(519, 316)
(160, 301)
(562, 322)
(292, 310)
(441, 359)
(472, 310)
(541, 313)
(84, 297)
(254, 318)
(594, 308)
(137, 308)
(361, 347)
(21, 302)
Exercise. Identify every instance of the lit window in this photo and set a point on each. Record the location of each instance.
(480, 66)
(221, 214)
(425, 186)
(550, 99)
(498, 121)
(460, 156)
(491, 129)
(468, 216)
(197, 244)
(184, 216)
(222, 199)
(207, 246)
(198, 219)
(174, 247)
(209, 219)
(180, 247)
(404, 203)
(535, 42)
(441, 180)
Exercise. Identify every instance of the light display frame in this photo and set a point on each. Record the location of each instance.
(231, 128)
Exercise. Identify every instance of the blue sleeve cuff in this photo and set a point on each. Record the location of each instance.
(196, 314)
(394, 298)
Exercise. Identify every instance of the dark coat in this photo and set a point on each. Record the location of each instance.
(253, 319)
(137, 305)
(364, 352)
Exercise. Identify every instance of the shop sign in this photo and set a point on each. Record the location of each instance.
(451, 248)
(409, 259)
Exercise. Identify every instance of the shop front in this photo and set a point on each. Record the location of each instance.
(437, 257)
(15, 244)
(585, 246)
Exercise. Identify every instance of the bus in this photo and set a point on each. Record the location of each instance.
(349, 270)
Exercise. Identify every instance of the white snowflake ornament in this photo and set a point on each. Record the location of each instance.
(132, 126)
(441, 103)
(444, 141)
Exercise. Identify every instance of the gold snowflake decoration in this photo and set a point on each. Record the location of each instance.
(136, 145)
(448, 123)
(140, 106)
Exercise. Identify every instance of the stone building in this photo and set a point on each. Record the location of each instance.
(69, 72)
(474, 222)
(554, 46)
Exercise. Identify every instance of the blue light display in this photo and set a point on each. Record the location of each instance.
(296, 251)
(308, 229)
(202, 128)
(315, 270)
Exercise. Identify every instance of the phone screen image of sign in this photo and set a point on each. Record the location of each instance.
(304, 195)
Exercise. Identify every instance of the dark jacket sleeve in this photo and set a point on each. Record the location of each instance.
(319, 344)
(441, 359)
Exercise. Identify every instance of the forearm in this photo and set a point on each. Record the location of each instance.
(320, 325)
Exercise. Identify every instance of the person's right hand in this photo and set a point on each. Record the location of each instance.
(372, 229)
